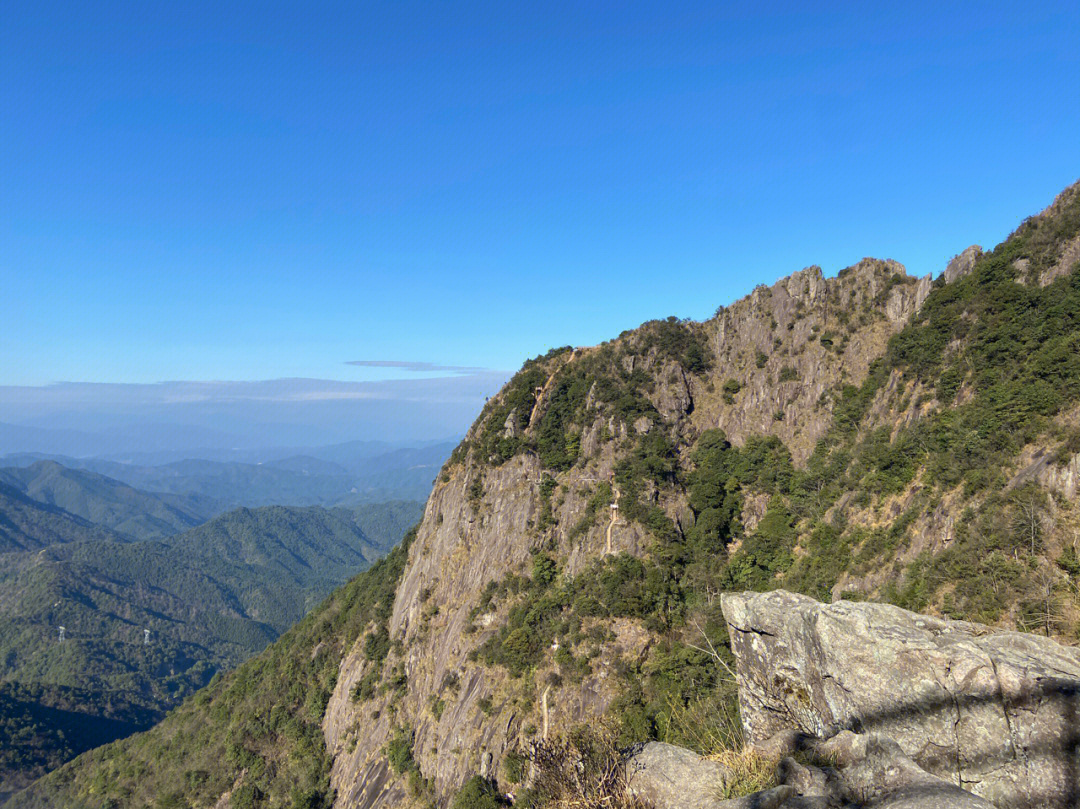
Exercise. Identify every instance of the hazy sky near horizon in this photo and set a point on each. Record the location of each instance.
(366, 191)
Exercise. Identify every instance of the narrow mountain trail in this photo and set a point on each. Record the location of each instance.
(544, 708)
(614, 518)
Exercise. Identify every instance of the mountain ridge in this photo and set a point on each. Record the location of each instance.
(27, 524)
(869, 436)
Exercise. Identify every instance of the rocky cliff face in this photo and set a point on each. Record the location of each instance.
(807, 361)
(826, 331)
(785, 346)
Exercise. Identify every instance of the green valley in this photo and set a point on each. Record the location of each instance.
(147, 623)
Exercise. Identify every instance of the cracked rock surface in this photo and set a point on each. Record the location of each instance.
(994, 712)
(874, 772)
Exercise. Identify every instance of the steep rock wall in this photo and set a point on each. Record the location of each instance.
(826, 331)
(785, 345)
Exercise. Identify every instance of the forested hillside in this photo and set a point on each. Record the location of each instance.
(869, 437)
(264, 716)
(28, 525)
(210, 598)
(107, 502)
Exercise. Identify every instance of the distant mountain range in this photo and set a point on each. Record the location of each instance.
(345, 474)
(154, 444)
(109, 562)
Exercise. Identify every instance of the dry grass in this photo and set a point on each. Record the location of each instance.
(586, 768)
(750, 772)
(582, 770)
(715, 733)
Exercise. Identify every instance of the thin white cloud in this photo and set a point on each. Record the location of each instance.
(419, 367)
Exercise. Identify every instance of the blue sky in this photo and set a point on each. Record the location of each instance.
(230, 191)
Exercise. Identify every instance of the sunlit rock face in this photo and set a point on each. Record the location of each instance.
(994, 712)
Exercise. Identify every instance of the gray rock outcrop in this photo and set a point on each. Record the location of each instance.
(997, 713)
(962, 264)
(875, 772)
(848, 771)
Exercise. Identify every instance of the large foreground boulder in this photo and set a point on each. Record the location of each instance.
(997, 713)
